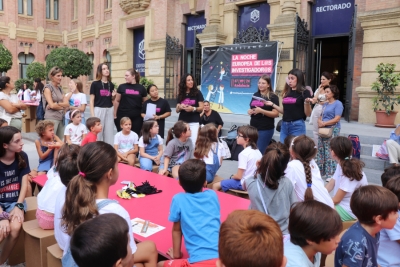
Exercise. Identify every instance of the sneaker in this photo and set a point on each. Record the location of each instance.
(5, 265)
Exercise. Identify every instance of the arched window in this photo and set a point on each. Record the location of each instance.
(107, 59)
(91, 58)
(24, 61)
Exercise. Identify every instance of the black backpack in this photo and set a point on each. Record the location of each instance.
(40, 109)
(234, 148)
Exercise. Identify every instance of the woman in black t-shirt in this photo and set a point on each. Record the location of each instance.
(163, 109)
(296, 105)
(129, 101)
(211, 116)
(263, 115)
(101, 96)
(190, 104)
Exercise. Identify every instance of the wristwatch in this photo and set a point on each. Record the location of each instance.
(20, 206)
(194, 109)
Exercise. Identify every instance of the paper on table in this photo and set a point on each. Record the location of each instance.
(137, 225)
(150, 112)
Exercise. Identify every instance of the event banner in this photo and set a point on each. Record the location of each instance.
(140, 55)
(230, 74)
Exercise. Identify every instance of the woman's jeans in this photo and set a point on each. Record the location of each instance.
(295, 128)
(264, 138)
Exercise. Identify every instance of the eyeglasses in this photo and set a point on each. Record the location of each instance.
(239, 136)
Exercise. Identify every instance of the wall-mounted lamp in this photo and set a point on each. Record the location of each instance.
(336, 72)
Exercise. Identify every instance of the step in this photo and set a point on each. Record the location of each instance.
(375, 163)
(373, 176)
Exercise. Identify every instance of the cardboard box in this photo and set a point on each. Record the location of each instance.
(54, 255)
(36, 242)
(17, 255)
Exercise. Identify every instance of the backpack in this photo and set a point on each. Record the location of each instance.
(234, 148)
(40, 109)
(355, 141)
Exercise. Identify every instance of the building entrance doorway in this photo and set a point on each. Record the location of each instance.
(331, 54)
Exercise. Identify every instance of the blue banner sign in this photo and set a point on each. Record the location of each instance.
(230, 74)
(195, 23)
(257, 15)
(332, 17)
(139, 53)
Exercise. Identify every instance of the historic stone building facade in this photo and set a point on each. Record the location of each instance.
(133, 33)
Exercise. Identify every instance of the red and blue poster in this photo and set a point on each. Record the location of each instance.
(230, 74)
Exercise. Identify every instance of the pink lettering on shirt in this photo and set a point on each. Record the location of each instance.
(104, 92)
(256, 103)
(188, 101)
(289, 100)
(131, 92)
(158, 110)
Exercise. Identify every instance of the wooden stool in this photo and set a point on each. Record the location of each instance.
(238, 193)
(346, 225)
(17, 255)
(36, 242)
(54, 256)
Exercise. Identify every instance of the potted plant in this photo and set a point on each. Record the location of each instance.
(383, 103)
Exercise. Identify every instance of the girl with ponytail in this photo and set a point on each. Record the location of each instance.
(304, 172)
(87, 196)
(347, 177)
(270, 191)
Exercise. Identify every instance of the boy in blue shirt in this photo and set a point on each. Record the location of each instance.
(389, 247)
(375, 208)
(196, 216)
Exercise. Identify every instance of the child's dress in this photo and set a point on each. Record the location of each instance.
(45, 164)
(75, 132)
(151, 149)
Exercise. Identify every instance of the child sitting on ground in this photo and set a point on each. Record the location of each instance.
(376, 208)
(94, 126)
(75, 131)
(243, 238)
(389, 243)
(126, 142)
(46, 199)
(47, 145)
(102, 241)
(347, 177)
(389, 173)
(150, 145)
(270, 191)
(196, 216)
(247, 137)
(179, 149)
(304, 173)
(309, 238)
(209, 150)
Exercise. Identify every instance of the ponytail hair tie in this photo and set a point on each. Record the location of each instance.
(346, 158)
(82, 174)
(308, 185)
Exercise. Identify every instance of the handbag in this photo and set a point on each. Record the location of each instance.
(226, 149)
(279, 126)
(382, 152)
(326, 132)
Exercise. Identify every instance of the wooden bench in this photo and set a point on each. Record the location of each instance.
(216, 180)
(54, 256)
(330, 259)
(154, 169)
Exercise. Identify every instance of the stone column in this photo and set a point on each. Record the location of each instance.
(230, 22)
(283, 30)
(380, 44)
(212, 34)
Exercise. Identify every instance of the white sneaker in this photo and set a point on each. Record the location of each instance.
(5, 265)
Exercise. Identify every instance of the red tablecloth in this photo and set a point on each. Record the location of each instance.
(155, 208)
(40, 180)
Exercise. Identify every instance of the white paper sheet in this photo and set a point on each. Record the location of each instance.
(150, 111)
(137, 225)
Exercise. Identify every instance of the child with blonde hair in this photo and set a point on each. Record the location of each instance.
(126, 142)
(209, 150)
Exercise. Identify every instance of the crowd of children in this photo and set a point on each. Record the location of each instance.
(293, 220)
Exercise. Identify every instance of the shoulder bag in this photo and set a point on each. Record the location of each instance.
(325, 132)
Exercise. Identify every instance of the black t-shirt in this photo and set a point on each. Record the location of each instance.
(213, 118)
(131, 99)
(11, 179)
(260, 121)
(193, 101)
(293, 105)
(162, 107)
(102, 94)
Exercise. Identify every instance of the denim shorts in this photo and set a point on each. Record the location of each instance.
(9, 206)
